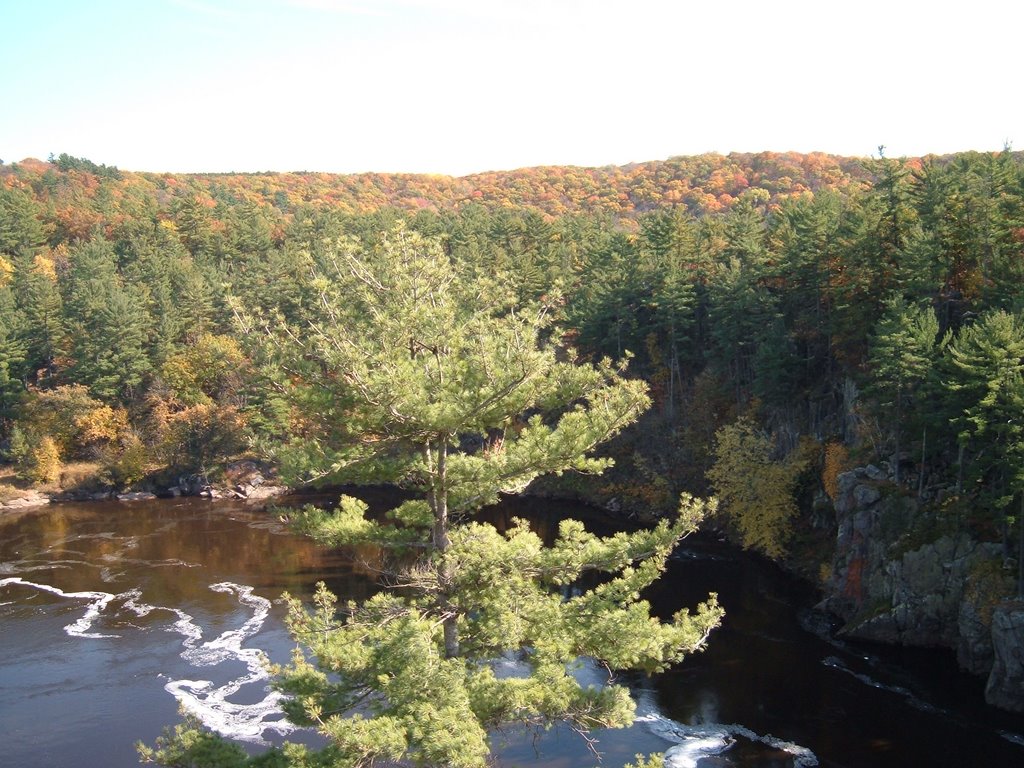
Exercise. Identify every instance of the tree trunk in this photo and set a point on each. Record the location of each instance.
(439, 503)
(960, 468)
(896, 459)
(1020, 550)
(920, 477)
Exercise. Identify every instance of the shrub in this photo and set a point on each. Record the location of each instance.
(202, 435)
(127, 466)
(837, 459)
(44, 462)
(81, 426)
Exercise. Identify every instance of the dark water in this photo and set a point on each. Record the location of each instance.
(112, 614)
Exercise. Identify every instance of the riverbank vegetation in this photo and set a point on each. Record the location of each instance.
(822, 306)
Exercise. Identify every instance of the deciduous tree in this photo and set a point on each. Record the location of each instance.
(755, 488)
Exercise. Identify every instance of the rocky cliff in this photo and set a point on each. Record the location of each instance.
(901, 576)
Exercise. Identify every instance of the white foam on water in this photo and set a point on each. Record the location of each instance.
(27, 566)
(209, 702)
(834, 662)
(695, 742)
(1013, 738)
(79, 628)
(686, 755)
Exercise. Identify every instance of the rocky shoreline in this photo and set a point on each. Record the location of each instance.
(896, 580)
(248, 480)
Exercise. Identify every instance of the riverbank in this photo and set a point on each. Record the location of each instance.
(245, 479)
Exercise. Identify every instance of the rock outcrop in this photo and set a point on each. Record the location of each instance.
(1005, 686)
(928, 590)
(25, 499)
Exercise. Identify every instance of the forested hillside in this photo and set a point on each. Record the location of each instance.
(793, 314)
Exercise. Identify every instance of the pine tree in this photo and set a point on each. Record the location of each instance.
(21, 229)
(38, 300)
(107, 324)
(12, 357)
(902, 352)
(986, 366)
(446, 386)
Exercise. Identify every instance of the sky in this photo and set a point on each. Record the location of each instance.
(464, 86)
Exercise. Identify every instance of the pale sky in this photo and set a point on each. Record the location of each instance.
(461, 86)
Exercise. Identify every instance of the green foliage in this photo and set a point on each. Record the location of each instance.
(17, 446)
(187, 745)
(986, 363)
(67, 162)
(435, 708)
(12, 356)
(903, 352)
(40, 309)
(650, 761)
(107, 324)
(126, 464)
(21, 227)
(209, 370)
(80, 425)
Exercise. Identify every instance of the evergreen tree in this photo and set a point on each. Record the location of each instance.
(107, 324)
(12, 357)
(902, 352)
(40, 308)
(669, 257)
(21, 228)
(450, 388)
(740, 312)
(805, 241)
(986, 362)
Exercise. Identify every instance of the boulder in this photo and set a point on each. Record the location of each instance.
(29, 499)
(866, 495)
(974, 649)
(1005, 687)
(874, 473)
(265, 492)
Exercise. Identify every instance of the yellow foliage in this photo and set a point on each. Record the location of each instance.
(44, 462)
(6, 272)
(209, 368)
(76, 422)
(102, 424)
(203, 434)
(755, 491)
(836, 462)
(44, 265)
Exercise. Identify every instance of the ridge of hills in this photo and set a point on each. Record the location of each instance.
(701, 184)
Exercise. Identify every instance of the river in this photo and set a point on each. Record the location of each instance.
(112, 615)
